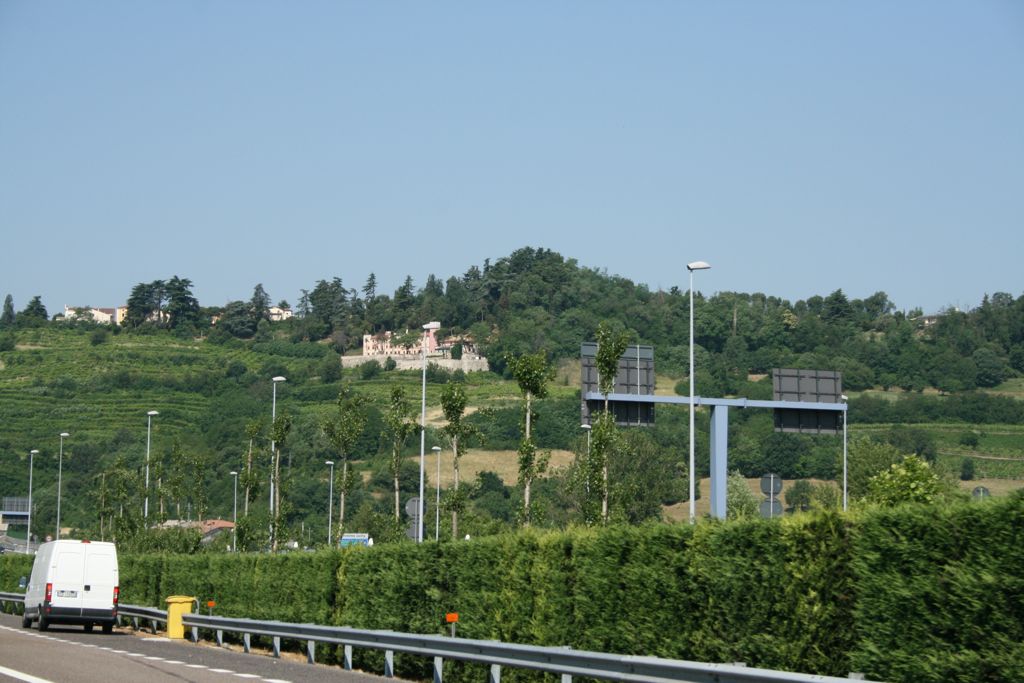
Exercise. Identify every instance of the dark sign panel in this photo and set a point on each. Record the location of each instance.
(809, 386)
(635, 376)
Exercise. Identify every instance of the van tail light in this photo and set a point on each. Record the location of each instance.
(117, 594)
(49, 592)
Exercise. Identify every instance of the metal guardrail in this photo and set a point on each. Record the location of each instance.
(18, 598)
(557, 660)
(135, 613)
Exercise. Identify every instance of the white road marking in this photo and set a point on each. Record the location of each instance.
(247, 675)
(196, 666)
(19, 676)
(156, 659)
(222, 671)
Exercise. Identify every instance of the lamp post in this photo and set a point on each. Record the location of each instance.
(429, 327)
(28, 532)
(845, 399)
(273, 450)
(60, 472)
(330, 501)
(437, 486)
(696, 265)
(234, 515)
(149, 435)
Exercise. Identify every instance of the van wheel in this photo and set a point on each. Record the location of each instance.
(88, 628)
(26, 622)
(44, 623)
(108, 629)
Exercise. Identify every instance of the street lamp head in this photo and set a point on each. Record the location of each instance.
(329, 462)
(152, 413)
(436, 449)
(844, 397)
(277, 379)
(34, 451)
(233, 473)
(587, 427)
(65, 434)
(432, 325)
(697, 265)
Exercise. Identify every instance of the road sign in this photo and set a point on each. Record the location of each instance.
(771, 508)
(771, 484)
(412, 507)
(980, 492)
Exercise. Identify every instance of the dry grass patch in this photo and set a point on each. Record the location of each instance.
(503, 463)
(997, 487)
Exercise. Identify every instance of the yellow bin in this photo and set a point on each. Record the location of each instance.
(177, 605)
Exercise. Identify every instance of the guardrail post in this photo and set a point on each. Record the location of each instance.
(277, 646)
(389, 663)
(856, 675)
(495, 675)
(438, 669)
(247, 642)
(566, 678)
(195, 634)
(135, 623)
(346, 660)
(310, 652)
(152, 626)
(220, 637)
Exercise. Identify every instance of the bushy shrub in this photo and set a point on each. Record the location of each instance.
(369, 369)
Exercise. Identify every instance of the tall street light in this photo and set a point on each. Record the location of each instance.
(149, 434)
(427, 329)
(60, 471)
(844, 399)
(330, 502)
(437, 486)
(273, 446)
(696, 265)
(234, 515)
(28, 532)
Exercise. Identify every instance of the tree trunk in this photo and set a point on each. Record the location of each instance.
(455, 509)
(248, 479)
(277, 498)
(528, 474)
(341, 498)
(398, 517)
(604, 475)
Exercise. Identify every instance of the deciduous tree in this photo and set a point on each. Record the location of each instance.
(532, 372)
(399, 428)
(343, 430)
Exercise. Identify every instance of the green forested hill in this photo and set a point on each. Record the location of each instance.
(946, 387)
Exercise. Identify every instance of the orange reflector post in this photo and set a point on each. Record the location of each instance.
(211, 604)
(451, 617)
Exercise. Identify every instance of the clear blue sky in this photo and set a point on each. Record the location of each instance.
(799, 147)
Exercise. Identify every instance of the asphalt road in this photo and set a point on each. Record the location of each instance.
(68, 653)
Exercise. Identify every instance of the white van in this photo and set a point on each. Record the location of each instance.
(73, 582)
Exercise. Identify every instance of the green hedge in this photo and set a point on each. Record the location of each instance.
(908, 594)
(941, 593)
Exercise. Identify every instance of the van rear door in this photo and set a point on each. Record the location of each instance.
(68, 588)
(101, 576)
